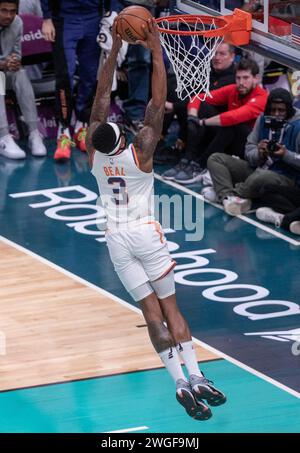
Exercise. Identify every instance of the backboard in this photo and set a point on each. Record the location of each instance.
(276, 24)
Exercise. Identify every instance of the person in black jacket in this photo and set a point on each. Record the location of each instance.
(73, 26)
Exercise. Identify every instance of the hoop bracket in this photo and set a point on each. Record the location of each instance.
(240, 26)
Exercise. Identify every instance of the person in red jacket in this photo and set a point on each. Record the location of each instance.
(210, 131)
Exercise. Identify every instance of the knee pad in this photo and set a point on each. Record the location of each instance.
(141, 292)
(164, 287)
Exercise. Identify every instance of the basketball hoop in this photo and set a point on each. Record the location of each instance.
(190, 42)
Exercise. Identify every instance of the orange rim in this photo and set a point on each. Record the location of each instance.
(236, 27)
(190, 19)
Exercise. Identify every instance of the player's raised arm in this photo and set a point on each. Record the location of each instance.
(159, 78)
(100, 109)
(146, 140)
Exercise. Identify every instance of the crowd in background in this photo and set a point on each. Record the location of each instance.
(242, 144)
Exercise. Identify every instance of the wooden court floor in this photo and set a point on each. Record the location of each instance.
(57, 329)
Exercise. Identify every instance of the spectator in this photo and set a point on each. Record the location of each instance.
(138, 73)
(220, 132)
(283, 207)
(174, 108)
(236, 182)
(72, 26)
(222, 67)
(222, 73)
(105, 42)
(11, 29)
(30, 7)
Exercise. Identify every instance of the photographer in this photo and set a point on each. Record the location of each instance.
(269, 160)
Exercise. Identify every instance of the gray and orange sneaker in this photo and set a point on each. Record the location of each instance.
(194, 408)
(80, 139)
(203, 389)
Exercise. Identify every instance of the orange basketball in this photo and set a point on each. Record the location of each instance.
(130, 22)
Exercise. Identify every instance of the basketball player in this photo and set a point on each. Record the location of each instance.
(135, 241)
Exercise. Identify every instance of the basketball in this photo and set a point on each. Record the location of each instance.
(130, 23)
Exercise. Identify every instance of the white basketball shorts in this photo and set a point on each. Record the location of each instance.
(139, 254)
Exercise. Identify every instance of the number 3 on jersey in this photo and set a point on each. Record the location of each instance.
(119, 190)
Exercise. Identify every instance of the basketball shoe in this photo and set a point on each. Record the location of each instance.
(194, 408)
(270, 216)
(295, 227)
(202, 388)
(80, 138)
(236, 205)
(63, 150)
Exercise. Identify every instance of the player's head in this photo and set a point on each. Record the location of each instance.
(246, 76)
(8, 11)
(280, 104)
(109, 138)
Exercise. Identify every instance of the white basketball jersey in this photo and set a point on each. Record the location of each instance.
(126, 191)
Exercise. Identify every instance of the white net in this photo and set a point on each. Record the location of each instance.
(190, 55)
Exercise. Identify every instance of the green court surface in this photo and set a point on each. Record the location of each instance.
(145, 402)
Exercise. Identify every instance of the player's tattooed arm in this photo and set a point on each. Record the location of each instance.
(101, 104)
(146, 140)
(154, 116)
(100, 109)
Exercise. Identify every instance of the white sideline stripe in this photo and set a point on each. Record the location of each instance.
(128, 430)
(247, 368)
(137, 310)
(242, 217)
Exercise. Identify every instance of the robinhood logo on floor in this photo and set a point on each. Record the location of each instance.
(2, 84)
(76, 206)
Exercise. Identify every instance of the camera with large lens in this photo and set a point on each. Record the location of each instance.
(276, 127)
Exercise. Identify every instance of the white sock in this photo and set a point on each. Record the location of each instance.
(171, 360)
(187, 352)
(63, 131)
(78, 125)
